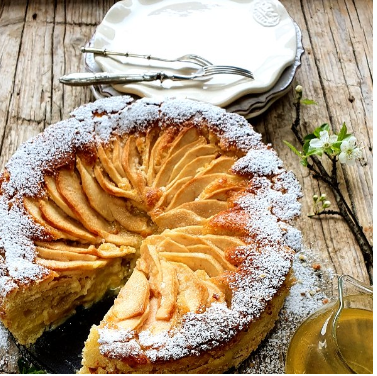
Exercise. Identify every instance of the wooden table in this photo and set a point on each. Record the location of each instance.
(40, 41)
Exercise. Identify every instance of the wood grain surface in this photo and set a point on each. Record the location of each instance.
(40, 41)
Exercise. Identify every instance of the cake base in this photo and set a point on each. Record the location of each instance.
(220, 360)
(48, 304)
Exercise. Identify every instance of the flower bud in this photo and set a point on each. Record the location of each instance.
(315, 198)
(298, 89)
(326, 204)
(323, 197)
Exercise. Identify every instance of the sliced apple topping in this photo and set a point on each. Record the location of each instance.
(109, 250)
(169, 193)
(117, 156)
(192, 168)
(110, 168)
(221, 164)
(189, 230)
(96, 196)
(58, 219)
(194, 153)
(149, 263)
(69, 186)
(204, 208)
(182, 237)
(169, 245)
(195, 261)
(222, 188)
(110, 207)
(154, 325)
(32, 207)
(156, 156)
(167, 186)
(215, 291)
(136, 322)
(52, 254)
(133, 298)
(165, 174)
(186, 136)
(71, 265)
(57, 197)
(131, 163)
(61, 246)
(169, 291)
(212, 251)
(192, 292)
(192, 189)
(223, 242)
(109, 187)
(177, 218)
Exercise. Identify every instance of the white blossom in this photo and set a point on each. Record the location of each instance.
(349, 151)
(324, 141)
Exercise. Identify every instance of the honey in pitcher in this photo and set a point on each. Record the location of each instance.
(314, 350)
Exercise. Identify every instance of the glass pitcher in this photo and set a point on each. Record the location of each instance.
(338, 338)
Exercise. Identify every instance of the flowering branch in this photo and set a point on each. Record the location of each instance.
(341, 147)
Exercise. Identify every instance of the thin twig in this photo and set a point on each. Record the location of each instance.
(329, 212)
(320, 172)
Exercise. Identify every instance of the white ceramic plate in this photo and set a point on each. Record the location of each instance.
(249, 106)
(258, 35)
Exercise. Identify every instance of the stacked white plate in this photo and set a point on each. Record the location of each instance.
(258, 35)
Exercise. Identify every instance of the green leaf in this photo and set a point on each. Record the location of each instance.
(348, 135)
(306, 146)
(329, 151)
(310, 136)
(336, 146)
(25, 367)
(307, 101)
(343, 132)
(293, 148)
(323, 127)
(304, 162)
(314, 151)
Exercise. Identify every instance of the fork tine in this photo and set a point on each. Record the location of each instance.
(224, 69)
(219, 68)
(229, 71)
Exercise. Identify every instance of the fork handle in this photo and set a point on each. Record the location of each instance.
(86, 79)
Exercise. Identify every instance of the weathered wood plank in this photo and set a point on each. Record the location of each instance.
(68, 59)
(29, 108)
(40, 41)
(81, 12)
(12, 22)
(331, 76)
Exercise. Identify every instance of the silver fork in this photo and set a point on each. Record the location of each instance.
(188, 58)
(85, 79)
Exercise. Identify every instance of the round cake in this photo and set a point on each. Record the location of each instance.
(176, 206)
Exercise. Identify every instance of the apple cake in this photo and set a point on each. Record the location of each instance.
(176, 206)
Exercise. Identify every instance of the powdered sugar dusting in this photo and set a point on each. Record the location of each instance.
(309, 293)
(115, 335)
(8, 353)
(235, 130)
(268, 207)
(271, 200)
(101, 107)
(292, 237)
(17, 250)
(261, 162)
(44, 153)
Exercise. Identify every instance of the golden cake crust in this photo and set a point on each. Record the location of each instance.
(254, 201)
